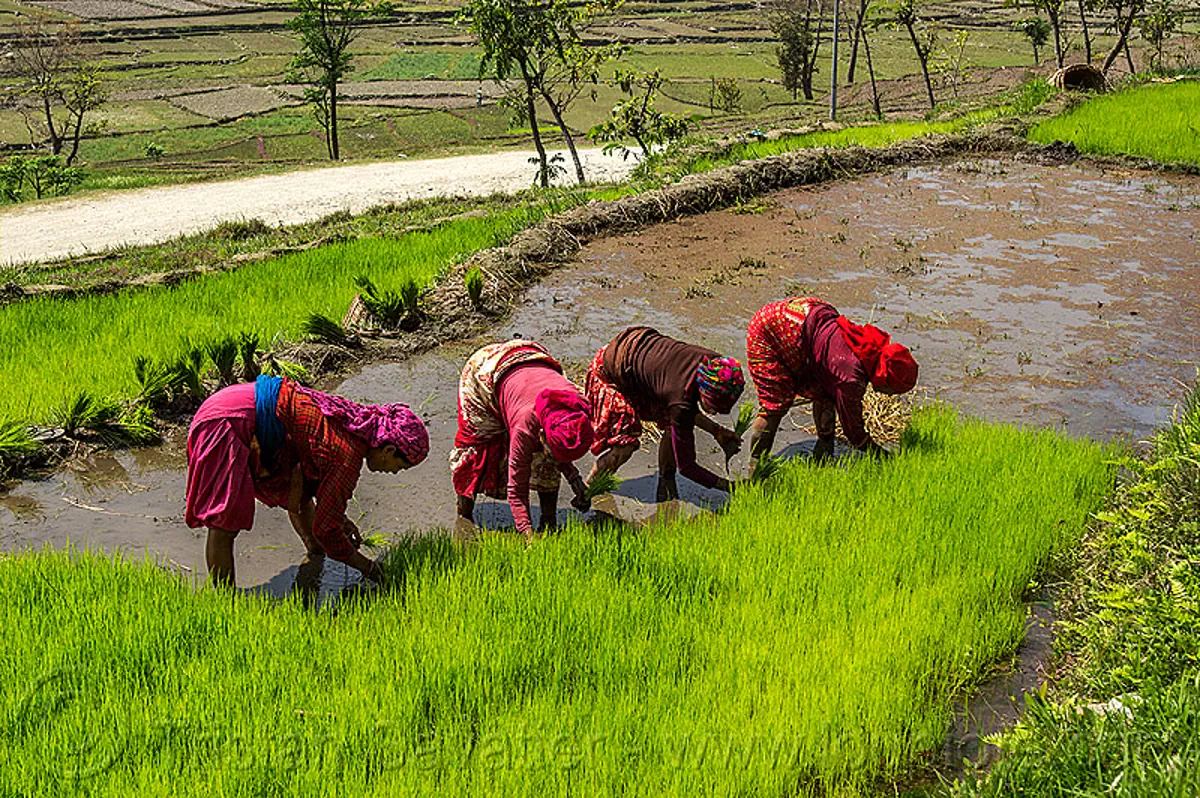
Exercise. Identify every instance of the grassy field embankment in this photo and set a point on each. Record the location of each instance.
(808, 640)
(1160, 121)
(1123, 718)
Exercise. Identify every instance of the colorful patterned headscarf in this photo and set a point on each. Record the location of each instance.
(377, 425)
(721, 382)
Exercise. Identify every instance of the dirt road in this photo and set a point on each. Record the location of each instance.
(80, 225)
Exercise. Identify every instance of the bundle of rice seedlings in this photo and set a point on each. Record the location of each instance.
(766, 467)
(187, 372)
(744, 419)
(602, 483)
(278, 367)
(377, 540)
(248, 351)
(885, 416)
(386, 306)
(473, 280)
(154, 381)
(223, 352)
(15, 439)
(326, 330)
(133, 426)
(81, 411)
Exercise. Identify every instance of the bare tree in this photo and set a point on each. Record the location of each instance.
(1125, 12)
(60, 86)
(922, 33)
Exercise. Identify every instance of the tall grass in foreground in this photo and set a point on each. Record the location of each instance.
(1158, 120)
(808, 640)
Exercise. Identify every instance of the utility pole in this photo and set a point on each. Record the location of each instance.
(833, 85)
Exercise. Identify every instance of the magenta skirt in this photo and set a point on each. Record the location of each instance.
(220, 480)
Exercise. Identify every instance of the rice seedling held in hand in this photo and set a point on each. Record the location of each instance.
(387, 307)
(602, 483)
(324, 329)
(744, 420)
(473, 280)
(278, 367)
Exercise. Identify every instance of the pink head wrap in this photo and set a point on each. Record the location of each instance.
(377, 425)
(566, 420)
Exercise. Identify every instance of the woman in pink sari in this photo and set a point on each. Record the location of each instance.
(289, 446)
(521, 425)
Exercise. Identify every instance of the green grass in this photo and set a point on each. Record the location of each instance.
(59, 346)
(1022, 101)
(455, 64)
(1159, 121)
(810, 640)
(1131, 622)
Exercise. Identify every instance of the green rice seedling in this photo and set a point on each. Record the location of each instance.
(604, 482)
(377, 540)
(81, 411)
(410, 297)
(319, 327)
(745, 418)
(154, 381)
(765, 468)
(705, 658)
(278, 367)
(223, 352)
(15, 439)
(134, 426)
(187, 371)
(248, 353)
(473, 280)
(386, 306)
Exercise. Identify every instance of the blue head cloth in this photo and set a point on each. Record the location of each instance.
(268, 430)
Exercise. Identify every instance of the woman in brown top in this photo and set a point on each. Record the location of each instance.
(642, 375)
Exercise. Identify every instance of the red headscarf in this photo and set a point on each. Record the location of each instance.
(566, 420)
(890, 365)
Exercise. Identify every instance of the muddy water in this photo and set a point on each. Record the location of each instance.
(1038, 295)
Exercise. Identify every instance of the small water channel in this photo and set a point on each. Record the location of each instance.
(1049, 296)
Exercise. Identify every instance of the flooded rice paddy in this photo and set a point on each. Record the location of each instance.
(1056, 296)
(1050, 296)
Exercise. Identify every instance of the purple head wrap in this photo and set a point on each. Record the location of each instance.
(377, 425)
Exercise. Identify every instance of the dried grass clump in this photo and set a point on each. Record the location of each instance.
(885, 416)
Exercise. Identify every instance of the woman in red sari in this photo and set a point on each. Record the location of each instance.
(802, 347)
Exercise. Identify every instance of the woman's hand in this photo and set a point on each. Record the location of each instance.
(729, 442)
(350, 529)
(580, 502)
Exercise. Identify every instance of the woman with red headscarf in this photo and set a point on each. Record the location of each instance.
(804, 347)
(289, 446)
(521, 424)
(643, 375)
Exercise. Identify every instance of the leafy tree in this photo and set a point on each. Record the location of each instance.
(922, 33)
(798, 25)
(1053, 9)
(325, 30)
(45, 175)
(635, 117)
(539, 43)
(1162, 20)
(61, 83)
(954, 66)
(1037, 30)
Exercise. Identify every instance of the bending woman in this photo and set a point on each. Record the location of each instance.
(521, 424)
(290, 446)
(802, 347)
(642, 375)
